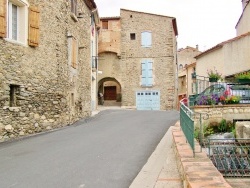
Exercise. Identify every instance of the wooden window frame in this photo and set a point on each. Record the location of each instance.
(105, 24)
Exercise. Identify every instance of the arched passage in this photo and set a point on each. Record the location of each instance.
(110, 88)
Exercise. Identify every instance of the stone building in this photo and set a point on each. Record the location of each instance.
(137, 59)
(46, 53)
(186, 66)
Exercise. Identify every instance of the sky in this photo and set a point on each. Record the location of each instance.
(200, 22)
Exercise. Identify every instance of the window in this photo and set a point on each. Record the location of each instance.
(18, 23)
(105, 24)
(12, 22)
(14, 91)
(147, 73)
(74, 52)
(132, 36)
(74, 6)
(146, 39)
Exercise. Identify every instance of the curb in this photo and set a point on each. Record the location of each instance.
(197, 171)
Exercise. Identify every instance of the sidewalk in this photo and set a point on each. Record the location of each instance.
(161, 170)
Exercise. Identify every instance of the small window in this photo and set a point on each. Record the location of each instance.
(74, 6)
(14, 91)
(138, 94)
(132, 36)
(105, 24)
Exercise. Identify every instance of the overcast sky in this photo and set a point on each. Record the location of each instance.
(202, 22)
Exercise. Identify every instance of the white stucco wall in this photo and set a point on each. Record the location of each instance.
(212, 60)
(243, 25)
(237, 56)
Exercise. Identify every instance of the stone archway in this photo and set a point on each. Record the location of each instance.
(111, 90)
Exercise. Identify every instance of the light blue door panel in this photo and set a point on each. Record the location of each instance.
(148, 100)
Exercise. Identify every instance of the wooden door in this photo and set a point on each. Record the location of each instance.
(110, 93)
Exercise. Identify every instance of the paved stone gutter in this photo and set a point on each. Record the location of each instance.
(197, 171)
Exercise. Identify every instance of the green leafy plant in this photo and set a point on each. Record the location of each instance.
(232, 99)
(214, 74)
(243, 75)
(222, 125)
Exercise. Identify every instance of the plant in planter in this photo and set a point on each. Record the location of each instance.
(243, 77)
(214, 75)
(232, 100)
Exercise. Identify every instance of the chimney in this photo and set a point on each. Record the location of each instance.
(197, 47)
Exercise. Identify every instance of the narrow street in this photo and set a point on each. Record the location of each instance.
(107, 150)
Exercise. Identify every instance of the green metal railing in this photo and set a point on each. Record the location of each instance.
(187, 124)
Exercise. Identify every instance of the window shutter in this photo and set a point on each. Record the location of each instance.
(34, 22)
(2, 18)
(146, 39)
(143, 39)
(150, 73)
(74, 53)
(143, 73)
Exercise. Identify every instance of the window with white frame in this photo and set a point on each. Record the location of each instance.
(17, 20)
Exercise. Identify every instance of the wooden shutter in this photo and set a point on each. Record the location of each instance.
(2, 18)
(34, 22)
(74, 53)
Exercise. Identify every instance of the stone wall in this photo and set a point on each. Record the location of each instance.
(219, 112)
(49, 93)
(162, 53)
(110, 39)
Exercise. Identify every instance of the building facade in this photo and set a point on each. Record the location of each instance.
(45, 57)
(229, 57)
(186, 66)
(138, 55)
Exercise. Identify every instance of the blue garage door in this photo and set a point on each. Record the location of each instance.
(148, 100)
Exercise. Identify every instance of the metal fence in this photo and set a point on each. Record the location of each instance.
(230, 156)
(187, 124)
(219, 92)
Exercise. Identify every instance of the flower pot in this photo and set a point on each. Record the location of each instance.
(244, 81)
(213, 79)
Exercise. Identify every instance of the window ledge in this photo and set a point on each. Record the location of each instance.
(15, 42)
(74, 17)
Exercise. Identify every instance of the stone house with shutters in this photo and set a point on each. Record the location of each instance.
(47, 64)
(137, 59)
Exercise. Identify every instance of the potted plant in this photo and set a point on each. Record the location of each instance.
(243, 77)
(213, 75)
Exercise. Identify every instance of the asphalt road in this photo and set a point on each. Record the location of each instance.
(106, 151)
